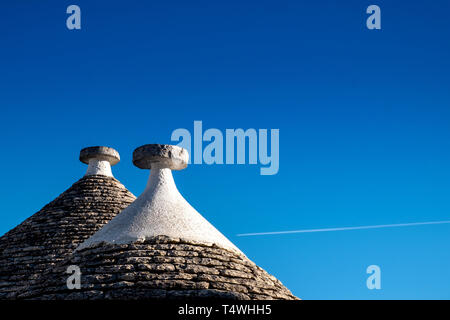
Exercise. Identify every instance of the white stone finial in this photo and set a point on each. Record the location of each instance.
(153, 156)
(99, 160)
(160, 209)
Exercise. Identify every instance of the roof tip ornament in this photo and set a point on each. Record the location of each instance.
(160, 156)
(99, 160)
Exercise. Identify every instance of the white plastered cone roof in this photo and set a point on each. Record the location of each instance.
(160, 209)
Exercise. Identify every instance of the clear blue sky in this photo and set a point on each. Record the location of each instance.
(364, 119)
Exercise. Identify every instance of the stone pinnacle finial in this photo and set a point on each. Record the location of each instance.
(152, 156)
(100, 159)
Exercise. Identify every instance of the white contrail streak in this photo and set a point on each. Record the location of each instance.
(344, 228)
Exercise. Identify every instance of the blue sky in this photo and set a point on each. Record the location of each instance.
(364, 119)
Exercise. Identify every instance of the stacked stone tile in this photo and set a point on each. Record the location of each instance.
(157, 248)
(160, 268)
(41, 241)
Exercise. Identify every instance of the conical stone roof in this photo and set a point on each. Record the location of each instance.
(159, 247)
(50, 235)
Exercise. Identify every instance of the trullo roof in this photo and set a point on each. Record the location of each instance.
(50, 235)
(159, 247)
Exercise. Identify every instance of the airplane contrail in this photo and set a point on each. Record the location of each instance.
(344, 228)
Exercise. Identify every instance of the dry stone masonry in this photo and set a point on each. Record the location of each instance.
(157, 247)
(50, 235)
(160, 268)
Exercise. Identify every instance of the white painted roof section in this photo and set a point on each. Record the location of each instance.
(99, 167)
(159, 210)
